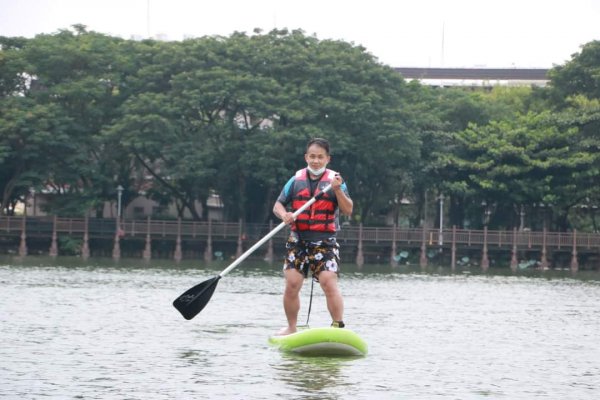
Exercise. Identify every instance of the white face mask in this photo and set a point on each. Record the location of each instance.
(316, 172)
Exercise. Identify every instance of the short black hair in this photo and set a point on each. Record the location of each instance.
(319, 142)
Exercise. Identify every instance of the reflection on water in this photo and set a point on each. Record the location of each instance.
(195, 357)
(104, 330)
(311, 375)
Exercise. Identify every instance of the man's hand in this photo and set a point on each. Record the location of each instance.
(288, 218)
(280, 211)
(336, 182)
(344, 202)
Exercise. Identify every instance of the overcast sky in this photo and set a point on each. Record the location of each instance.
(417, 33)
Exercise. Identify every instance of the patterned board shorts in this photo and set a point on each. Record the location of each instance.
(303, 256)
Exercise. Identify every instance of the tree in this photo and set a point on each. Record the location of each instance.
(580, 75)
(521, 162)
(29, 135)
(233, 114)
(70, 82)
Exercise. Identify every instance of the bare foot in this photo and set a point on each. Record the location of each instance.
(286, 331)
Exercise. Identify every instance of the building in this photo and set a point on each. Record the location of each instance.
(476, 77)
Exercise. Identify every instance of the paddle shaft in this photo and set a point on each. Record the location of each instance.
(272, 233)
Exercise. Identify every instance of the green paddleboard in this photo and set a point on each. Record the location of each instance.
(326, 342)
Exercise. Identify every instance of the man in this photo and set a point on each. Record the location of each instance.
(312, 243)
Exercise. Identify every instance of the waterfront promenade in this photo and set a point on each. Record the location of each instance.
(387, 242)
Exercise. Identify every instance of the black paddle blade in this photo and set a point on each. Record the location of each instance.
(195, 299)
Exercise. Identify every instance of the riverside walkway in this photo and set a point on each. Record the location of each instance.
(383, 239)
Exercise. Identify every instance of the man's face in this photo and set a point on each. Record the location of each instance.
(316, 157)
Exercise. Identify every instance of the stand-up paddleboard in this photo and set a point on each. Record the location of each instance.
(339, 342)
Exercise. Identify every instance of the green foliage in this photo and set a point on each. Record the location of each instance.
(69, 246)
(220, 109)
(524, 161)
(82, 112)
(580, 75)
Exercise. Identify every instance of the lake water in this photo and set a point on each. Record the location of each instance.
(105, 330)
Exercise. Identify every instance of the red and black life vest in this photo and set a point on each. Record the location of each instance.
(320, 216)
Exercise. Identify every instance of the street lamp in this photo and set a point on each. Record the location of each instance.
(543, 207)
(486, 213)
(522, 218)
(120, 194)
(441, 235)
(32, 191)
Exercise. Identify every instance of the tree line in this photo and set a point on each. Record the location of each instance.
(82, 112)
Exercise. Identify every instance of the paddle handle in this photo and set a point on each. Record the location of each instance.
(272, 233)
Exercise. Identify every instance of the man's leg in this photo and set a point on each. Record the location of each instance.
(291, 299)
(335, 302)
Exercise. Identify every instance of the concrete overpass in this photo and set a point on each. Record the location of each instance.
(476, 77)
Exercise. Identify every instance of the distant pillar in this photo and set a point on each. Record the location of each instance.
(23, 244)
(270, 254)
(423, 259)
(513, 260)
(240, 247)
(393, 261)
(574, 262)
(85, 247)
(147, 255)
(54, 245)
(485, 262)
(177, 256)
(453, 257)
(544, 259)
(208, 251)
(360, 257)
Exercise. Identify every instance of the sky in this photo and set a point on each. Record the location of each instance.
(399, 33)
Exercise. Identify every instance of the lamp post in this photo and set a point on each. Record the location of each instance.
(117, 245)
(32, 191)
(119, 194)
(441, 234)
(486, 213)
(522, 218)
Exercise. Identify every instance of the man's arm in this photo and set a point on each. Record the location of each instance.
(345, 203)
(279, 208)
(280, 212)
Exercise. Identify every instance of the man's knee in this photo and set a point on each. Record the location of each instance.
(328, 281)
(293, 281)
